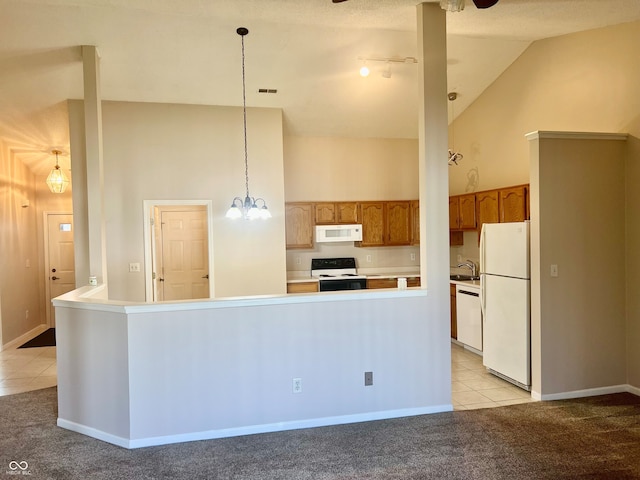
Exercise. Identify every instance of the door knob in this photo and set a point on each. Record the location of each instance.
(54, 278)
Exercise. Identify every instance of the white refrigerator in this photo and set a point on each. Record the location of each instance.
(505, 299)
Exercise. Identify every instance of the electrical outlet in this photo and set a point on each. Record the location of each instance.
(134, 267)
(368, 258)
(368, 379)
(298, 261)
(297, 385)
(413, 257)
(459, 258)
(26, 314)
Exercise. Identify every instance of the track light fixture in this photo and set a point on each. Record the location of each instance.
(386, 73)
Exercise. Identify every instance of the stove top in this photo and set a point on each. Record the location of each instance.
(334, 268)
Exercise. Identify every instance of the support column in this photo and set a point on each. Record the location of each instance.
(432, 146)
(94, 164)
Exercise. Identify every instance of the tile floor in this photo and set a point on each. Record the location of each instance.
(473, 387)
(25, 369)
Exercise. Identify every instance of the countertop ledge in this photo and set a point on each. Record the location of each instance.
(92, 298)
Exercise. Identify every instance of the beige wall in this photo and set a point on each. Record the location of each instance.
(19, 283)
(581, 82)
(578, 224)
(632, 260)
(333, 168)
(185, 152)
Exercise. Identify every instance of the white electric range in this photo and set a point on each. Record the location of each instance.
(337, 274)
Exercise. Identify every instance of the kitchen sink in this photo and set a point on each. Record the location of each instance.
(463, 278)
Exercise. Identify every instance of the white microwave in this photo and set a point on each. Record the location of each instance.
(338, 233)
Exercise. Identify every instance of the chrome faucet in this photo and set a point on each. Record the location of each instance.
(470, 265)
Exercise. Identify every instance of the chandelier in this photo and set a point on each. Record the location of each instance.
(247, 208)
(57, 180)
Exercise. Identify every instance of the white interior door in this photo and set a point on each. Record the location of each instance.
(183, 253)
(61, 275)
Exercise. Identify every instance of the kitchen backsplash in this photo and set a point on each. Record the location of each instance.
(469, 251)
(369, 257)
(381, 257)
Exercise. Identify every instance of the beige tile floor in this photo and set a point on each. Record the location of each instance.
(473, 387)
(26, 369)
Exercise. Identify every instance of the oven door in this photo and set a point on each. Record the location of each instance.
(333, 284)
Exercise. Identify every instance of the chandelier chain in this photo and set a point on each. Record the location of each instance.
(244, 119)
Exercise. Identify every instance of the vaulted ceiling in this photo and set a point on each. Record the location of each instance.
(187, 51)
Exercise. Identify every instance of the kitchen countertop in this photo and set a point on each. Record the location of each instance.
(305, 276)
(466, 283)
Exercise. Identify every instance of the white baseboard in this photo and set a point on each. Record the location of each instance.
(247, 430)
(24, 338)
(590, 392)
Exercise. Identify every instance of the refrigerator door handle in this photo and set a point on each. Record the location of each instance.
(482, 298)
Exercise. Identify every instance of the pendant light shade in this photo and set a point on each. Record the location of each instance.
(247, 208)
(57, 180)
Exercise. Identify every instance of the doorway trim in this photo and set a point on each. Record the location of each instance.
(47, 289)
(148, 206)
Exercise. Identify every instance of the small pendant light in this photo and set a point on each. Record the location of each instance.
(57, 180)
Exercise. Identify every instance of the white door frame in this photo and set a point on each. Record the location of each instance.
(148, 206)
(47, 289)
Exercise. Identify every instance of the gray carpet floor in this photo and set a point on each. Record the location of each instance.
(592, 438)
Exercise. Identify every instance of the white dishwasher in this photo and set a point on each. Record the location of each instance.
(469, 316)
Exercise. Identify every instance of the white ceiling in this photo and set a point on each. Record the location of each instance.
(187, 51)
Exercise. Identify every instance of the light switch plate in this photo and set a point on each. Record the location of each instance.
(554, 270)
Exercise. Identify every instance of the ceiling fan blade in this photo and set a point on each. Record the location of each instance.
(485, 3)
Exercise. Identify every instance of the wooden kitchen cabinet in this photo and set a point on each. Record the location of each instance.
(347, 213)
(398, 223)
(513, 204)
(382, 283)
(385, 223)
(329, 213)
(454, 319)
(299, 223)
(325, 213)
(415, 222)
(391, 282)
(487, 208)
(373, 224)
(302, 287)
(462, 212)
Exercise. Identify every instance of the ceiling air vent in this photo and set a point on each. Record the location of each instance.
(267, 90)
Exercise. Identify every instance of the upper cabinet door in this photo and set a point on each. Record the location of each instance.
(325, 213)
(347, 213)
(513, 204)
(467, 212)
(398, 223)
(373, 223)
(454, 213)
(487, 208)
(299, 225)
(415, 222)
